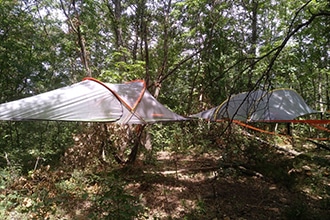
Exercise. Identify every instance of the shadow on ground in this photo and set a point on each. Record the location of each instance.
(202, 188)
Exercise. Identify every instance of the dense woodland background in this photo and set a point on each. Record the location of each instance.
(193, 54)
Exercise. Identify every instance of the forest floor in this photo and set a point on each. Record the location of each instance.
(258, 181)
(198, 187)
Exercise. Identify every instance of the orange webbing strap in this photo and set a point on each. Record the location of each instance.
(300, 121)
(320, 127)
(252, 127)
(240, 123)
(273, 133)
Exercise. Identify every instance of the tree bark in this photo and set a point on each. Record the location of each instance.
(75, 24)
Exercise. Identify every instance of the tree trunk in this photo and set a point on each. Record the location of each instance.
(74, 25)
(137, 141)
(254, 38)
(83, 51)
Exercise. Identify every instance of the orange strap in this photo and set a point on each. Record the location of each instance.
(303, 121)
(252, 127)
(320, 127)
(273, 133)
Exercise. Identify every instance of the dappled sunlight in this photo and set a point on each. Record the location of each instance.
(231, 180)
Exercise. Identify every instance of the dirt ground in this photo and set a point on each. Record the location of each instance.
(198, 187)
(259, 182)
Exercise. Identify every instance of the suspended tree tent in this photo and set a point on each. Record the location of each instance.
(92, 101)
(279, 106)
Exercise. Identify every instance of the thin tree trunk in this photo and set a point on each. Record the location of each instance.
(163, 68)
(254, 38)
(320, 97)
(146, 51)
(115, 12)
(136, 143)
(75, 27)
(327, 92)
(83, 51)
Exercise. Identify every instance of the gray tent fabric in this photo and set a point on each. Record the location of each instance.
(281, 105)
(260, 106)
(140, 107)
(91, 101)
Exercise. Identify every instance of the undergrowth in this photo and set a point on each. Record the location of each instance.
(86, 184)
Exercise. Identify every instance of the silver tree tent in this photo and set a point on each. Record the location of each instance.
(92, 101)
(280, 105)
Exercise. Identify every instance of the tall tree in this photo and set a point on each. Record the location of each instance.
(72, 11)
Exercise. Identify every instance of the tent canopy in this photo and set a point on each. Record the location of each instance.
(260, 106)
(92, 101)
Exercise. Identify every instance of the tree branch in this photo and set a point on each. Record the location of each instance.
(266, 74)
(176, 67)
